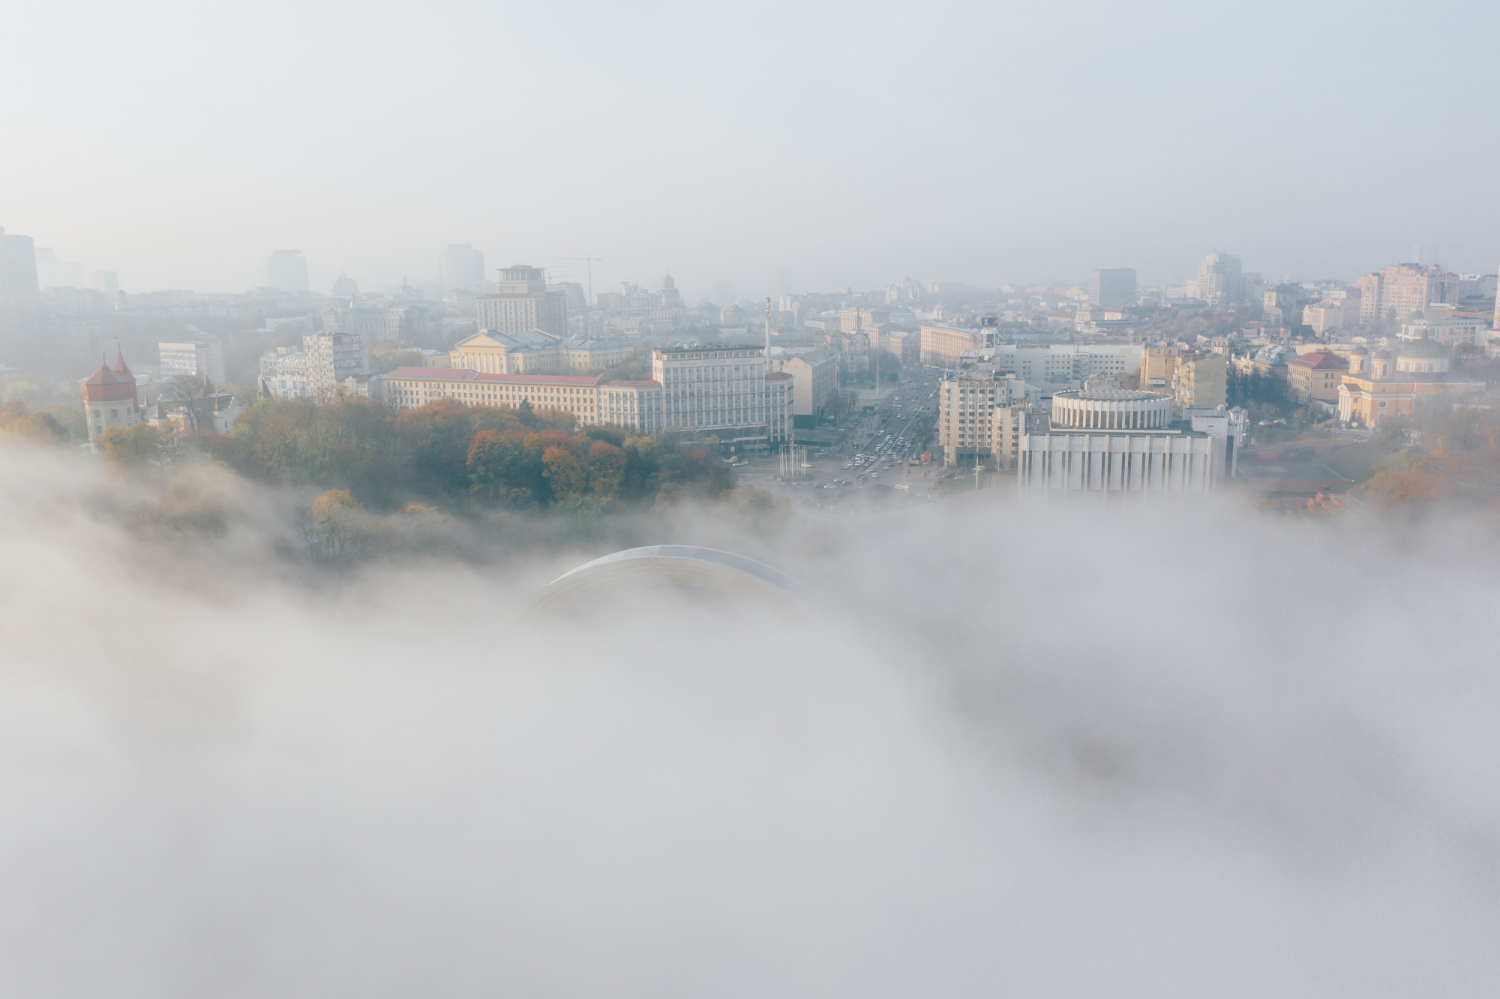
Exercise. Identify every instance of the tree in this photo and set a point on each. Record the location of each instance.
(137, 446)
(836, 405)
(565, 476)
(338, 530)
(17, 418)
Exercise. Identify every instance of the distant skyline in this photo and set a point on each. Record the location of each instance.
(777, 147)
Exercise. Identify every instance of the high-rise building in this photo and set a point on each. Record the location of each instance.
(1115, 286)
(523, 304)
(109, 398)
(332, 358)
(286, 270)
(1221, 283)
(18, 283)
(461, 267)
(196, 358)
(1398, 291)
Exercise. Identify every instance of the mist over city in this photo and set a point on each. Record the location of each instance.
(875, 500)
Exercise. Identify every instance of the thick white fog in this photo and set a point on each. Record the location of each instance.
(1151, 752)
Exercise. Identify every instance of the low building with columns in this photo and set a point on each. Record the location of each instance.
(1104, 440)
(1111, 408)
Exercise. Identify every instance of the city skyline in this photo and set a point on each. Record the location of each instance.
(984, 146)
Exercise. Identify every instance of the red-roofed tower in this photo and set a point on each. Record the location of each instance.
(109, 398)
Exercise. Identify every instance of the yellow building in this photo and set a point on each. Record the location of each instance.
(1199, 379)
(1158, 364)
(1391, 381)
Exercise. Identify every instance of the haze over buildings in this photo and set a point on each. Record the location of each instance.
(1143, 136)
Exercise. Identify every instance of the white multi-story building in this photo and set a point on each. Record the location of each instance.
(1451, 330)
(1046, 365)
(523, 304)
(283, 373)
(332, 358)
(722, 389)
(197, 358)
(634, 405)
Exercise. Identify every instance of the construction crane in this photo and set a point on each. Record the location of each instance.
(590, 262)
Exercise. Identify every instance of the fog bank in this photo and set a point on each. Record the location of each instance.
(1058, 752)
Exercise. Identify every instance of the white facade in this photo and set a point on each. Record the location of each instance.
(332, 358)
(723, 389)
(1111, 409)
(283, 373)
(1454, 329)
(197, 358)
(1117, 461)
(1055, 363)
(635, 406)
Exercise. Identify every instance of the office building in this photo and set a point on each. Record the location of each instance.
(18, 278)
(195, 358)
(286, 270)
(460, 267)
(1399, 291)
(107, 282)
(726, 390)
(523, 304)
(333, 359)
(109, 398)
(1115, 286)
(633, 405)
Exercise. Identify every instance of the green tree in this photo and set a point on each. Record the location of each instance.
(137, 446)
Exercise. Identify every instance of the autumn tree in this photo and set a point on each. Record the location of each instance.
(137, 446)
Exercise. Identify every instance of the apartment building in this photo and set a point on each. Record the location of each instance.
(967, 404)
(815, 376)
(332, 359)
(1398, 291)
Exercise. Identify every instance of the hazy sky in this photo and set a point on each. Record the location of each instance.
(778, 145)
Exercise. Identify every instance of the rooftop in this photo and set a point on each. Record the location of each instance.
(465, 375)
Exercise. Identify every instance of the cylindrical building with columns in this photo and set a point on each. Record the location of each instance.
(1111, 409)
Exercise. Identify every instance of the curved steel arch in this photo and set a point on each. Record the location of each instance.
(684, 567)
